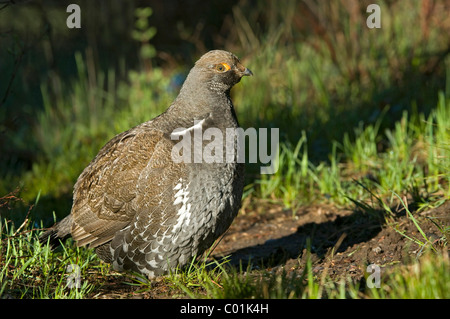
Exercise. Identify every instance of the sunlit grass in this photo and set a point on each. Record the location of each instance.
(416, 153)
(31, 270)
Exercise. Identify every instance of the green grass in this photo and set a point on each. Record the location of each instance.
(427, 279)
(32, 270)
(417, 152)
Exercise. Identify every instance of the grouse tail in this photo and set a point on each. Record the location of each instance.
(57, 233)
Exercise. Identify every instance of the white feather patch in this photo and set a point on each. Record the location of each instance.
(182, 131)
(184, 213)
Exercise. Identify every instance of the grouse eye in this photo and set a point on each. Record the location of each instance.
(222, 67)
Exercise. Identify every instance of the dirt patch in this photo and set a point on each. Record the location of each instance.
(268, 236)
(343, 241)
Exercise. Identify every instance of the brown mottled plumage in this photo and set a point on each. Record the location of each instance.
(143, 211)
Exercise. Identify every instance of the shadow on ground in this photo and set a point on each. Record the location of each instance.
(343, 241)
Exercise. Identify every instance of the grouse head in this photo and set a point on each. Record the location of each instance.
(219, 71)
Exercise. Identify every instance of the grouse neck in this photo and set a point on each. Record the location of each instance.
(202, 103)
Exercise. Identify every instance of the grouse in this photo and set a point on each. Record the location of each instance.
(142, 208)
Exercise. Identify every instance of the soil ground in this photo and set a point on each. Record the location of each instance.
(344, 241)
(341, 241)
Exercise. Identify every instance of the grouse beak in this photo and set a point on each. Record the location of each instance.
(247, 72)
